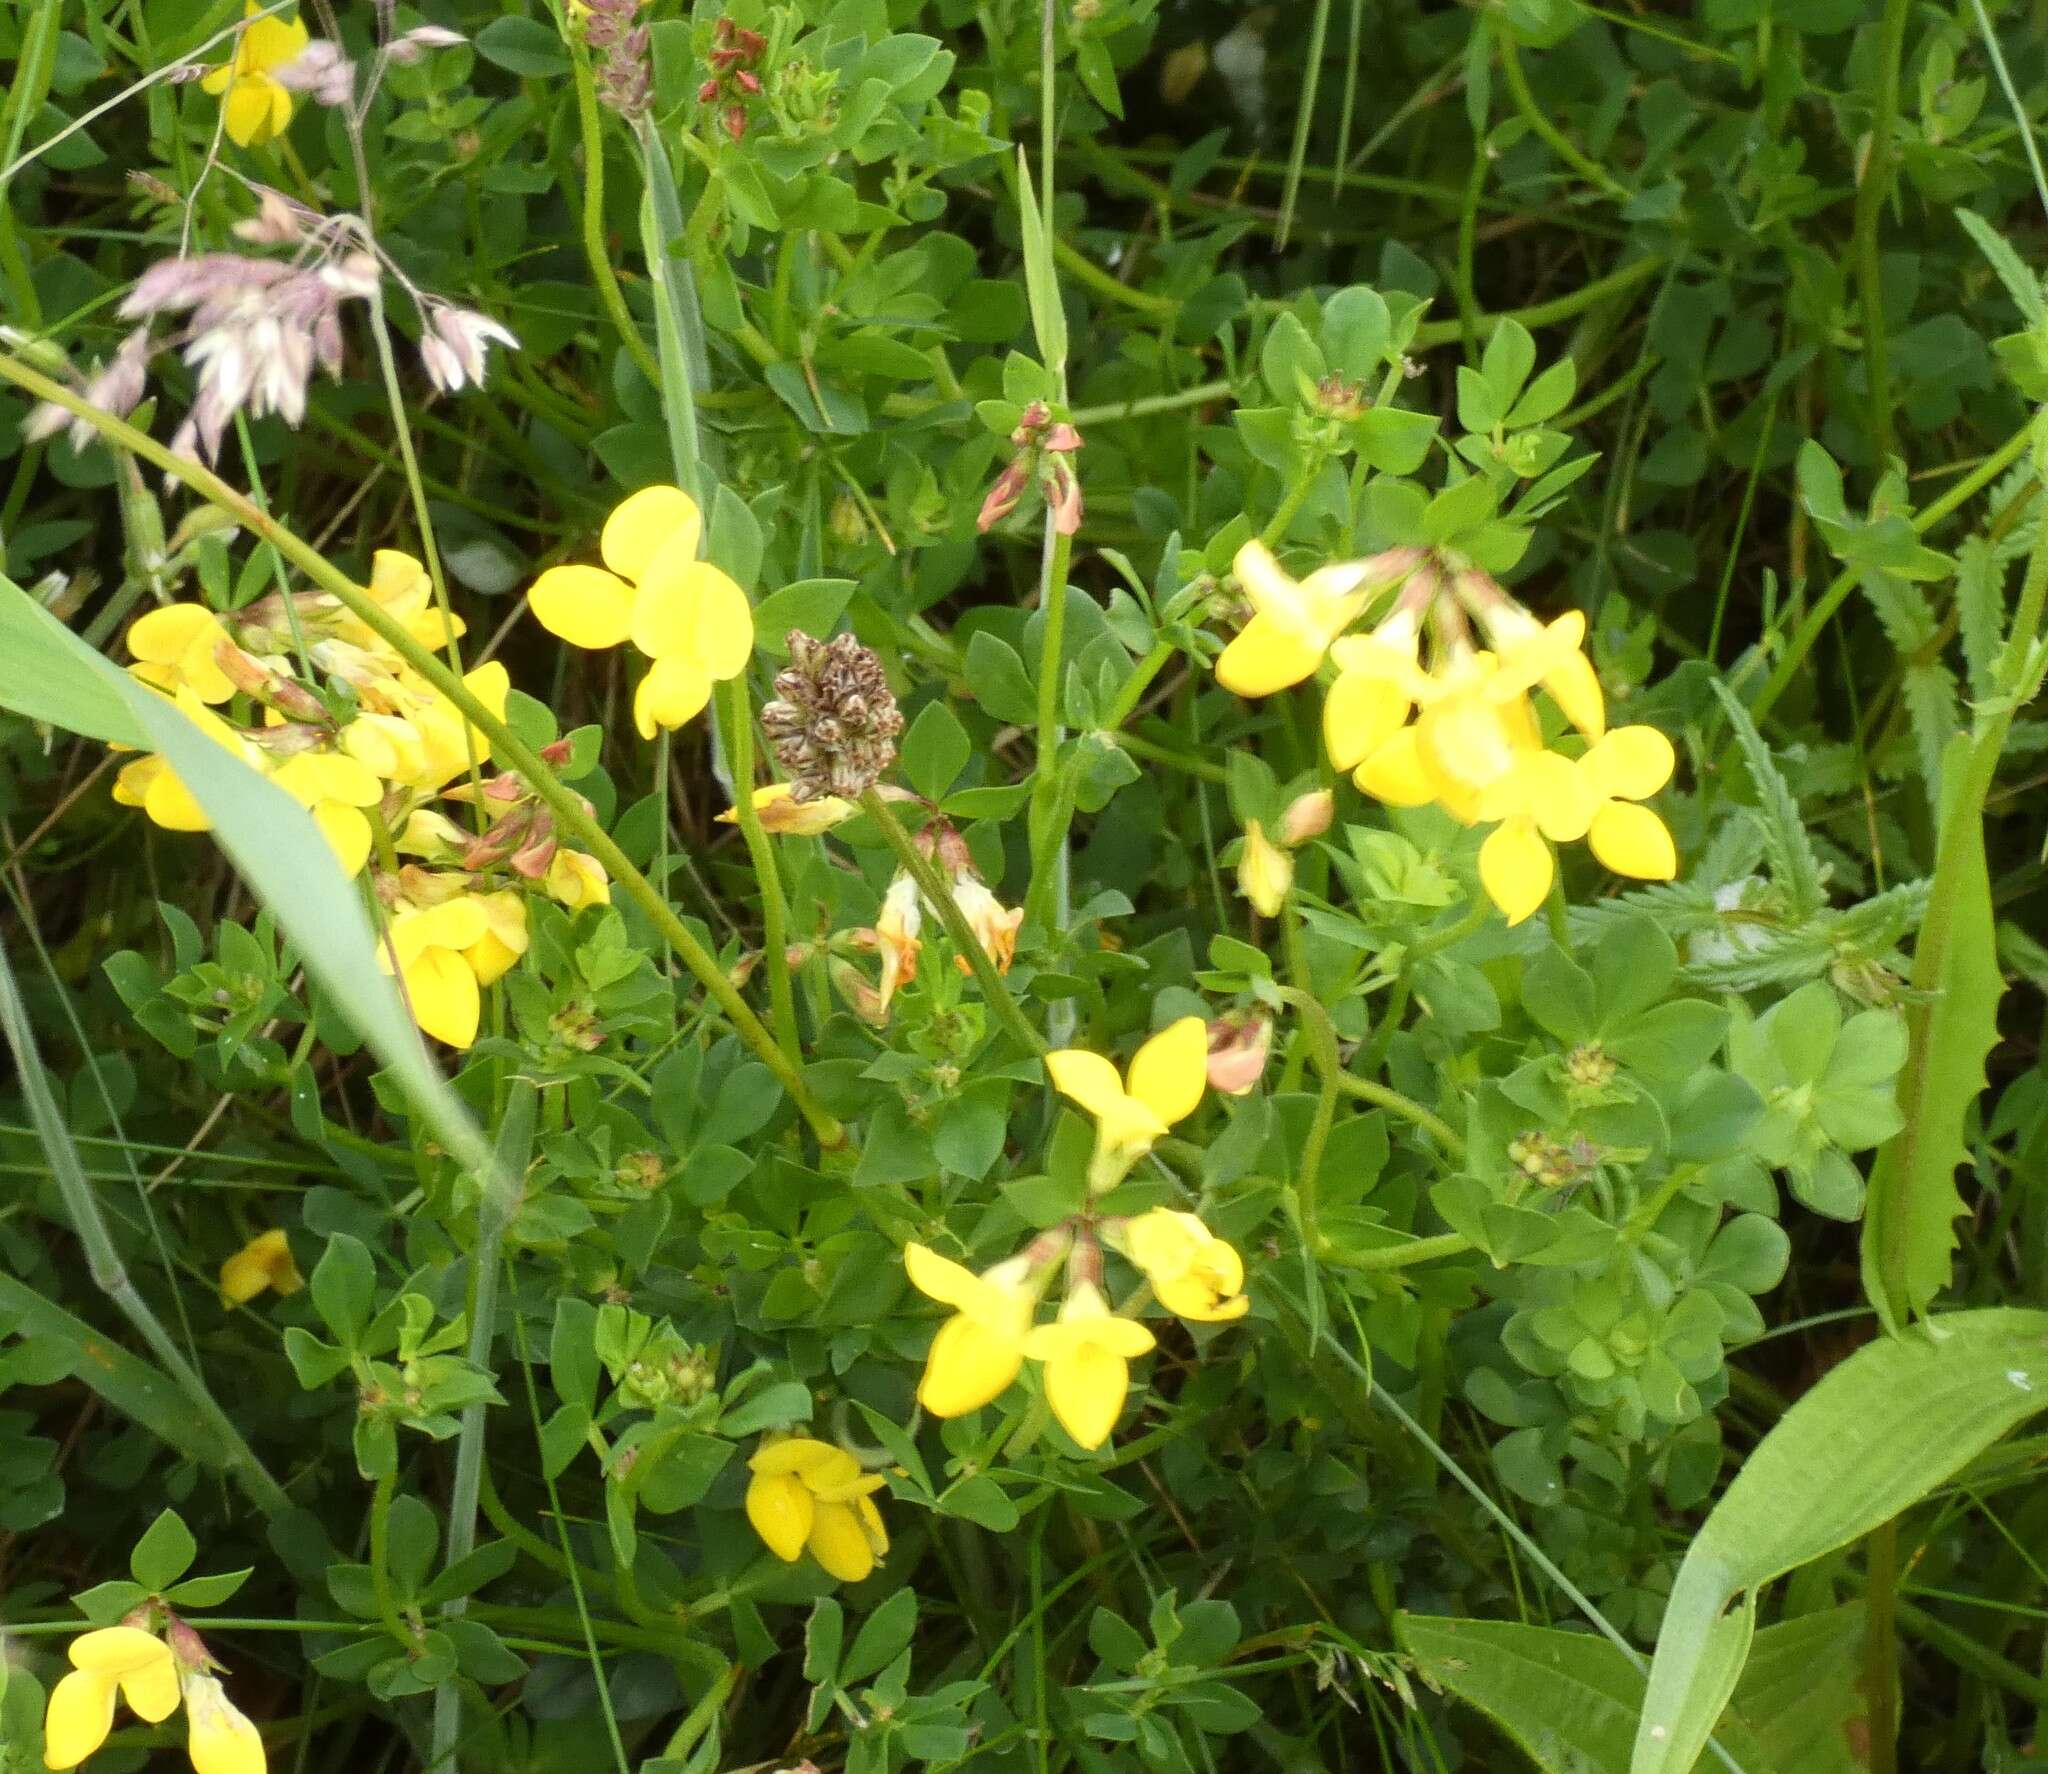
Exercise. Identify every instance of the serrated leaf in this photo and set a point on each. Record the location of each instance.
(1952, 1025)
(1980, 610)
(2020, 283)
(1929, 689)
(1794, 866)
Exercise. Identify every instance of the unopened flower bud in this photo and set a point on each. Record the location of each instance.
(1307, 816)
(1239, 1044)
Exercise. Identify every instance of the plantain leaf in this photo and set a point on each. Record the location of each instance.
(1879, 1432)
(1569, 1700)
(1952, 1025)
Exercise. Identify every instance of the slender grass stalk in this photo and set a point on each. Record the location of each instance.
(109, 1275)
(1873, 192)
(918, 866)
(566, 805)
(1304, 120)
(2012, 97)
(595, 250)
(1539, 121)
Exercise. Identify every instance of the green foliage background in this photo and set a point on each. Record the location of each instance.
(1730, 314)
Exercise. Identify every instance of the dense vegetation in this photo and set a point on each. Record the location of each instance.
(962, 884)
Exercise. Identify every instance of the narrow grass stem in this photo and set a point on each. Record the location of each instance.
(736, 709)
(591, 128)
(933, 890)
(1539, 121)
(573, 817)
(1873, 191)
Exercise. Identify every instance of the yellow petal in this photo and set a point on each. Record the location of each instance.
(1086, 1389)
(251, 109)
(269, 42)
(221, 1740)
(215, 80)
(585, 606)
(969, 1366)
(172, 805)
(442, 990)
(653, 522)
(781, 1509)
(1631, 763)
(1575, 687)
(1265, 872)
(1361, 713)
(673, 693)
(939, 1278)
(839, 1542)
(1516, 868)
(693, 609)
(1550, 789)
(163, 636)
(1394, 773)
(1268, 654)
(1169, 1073)
(1633, 841)
(79, 1716)
(1087, 1078)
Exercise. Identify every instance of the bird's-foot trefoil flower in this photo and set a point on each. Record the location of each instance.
(809, 1496)
(979, 1351)
(1195, 1274)
(256, 106)
(779, 811)
(153, 1675)
(689, 617)
(1087, 1354)
(1295, 621)
(896, 933)
(264, 1262)
(1164, 1086)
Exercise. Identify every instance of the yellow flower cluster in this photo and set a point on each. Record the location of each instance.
(401, 748)
(810, 1496)
(690, 619)
(132, 1664)
(1087, 1350)
(1462, 734)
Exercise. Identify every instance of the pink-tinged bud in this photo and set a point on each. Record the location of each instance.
(1062, 437)
(1003, 496)
(1238, 1048)
(949, 849)
(857, 992)
(532, 860)
(707, 92)
(186, 1645)
(1307, 816)
(1063, 496)
(1084, 1262)
(735, 121)
(558, 752)
(1030, 423)
(747, 83)
(505, 789)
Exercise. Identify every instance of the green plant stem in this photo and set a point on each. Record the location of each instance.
(735, 706)
(1873, 191)
(1966, 1653)
(918, 866)
(1381, 1096)
(1153, 752)
(1322, 1040)
(1133, 688)
(570, 813)
(380, 1558)
(595, 248)
(1539, 121)
(1048, 835)
(1881, 1647)
(103, 1260)
(1304, 119)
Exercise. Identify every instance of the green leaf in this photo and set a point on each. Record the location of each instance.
(522, 46)
(813, 605)
(1794, 867)
(997, 679)
(934, 751)
(164, 1553)
(1041, 281)
(1952, 1025)
(1878, 1433)
(2021, 284)
(883, 1637)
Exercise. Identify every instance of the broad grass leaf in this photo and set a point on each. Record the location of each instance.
(1952, 1025)
(1878, 1433)
(48, 674)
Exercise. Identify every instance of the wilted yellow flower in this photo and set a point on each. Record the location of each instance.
(691, 619)
(220, 1739)
(1265, 872)
(808, 1495)
(257, 106)
(896, 928)
(1164, 1086)
(1194, 1273)
(781, 812)
(264, 1262)
(122, 1660)
(979, 1350)
(994, 924)
(1087, 1355)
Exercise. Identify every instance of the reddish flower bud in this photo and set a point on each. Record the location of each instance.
(1238, 1048)
(1003, 495)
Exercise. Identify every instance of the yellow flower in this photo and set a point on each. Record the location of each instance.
(1164, 1086)
(1378, 683)
(220, 1740)
(264, 1262)
(257, 107)
(1630, 764)
(994, 924)
(115, 1659)
(178, 645)
(688, 617)
(430, 834)
(388, 745)
(335, 788)
(449, 742)
(1195, 1274)
(151, 784)
(896, 928)
(810, 1495)
(1265, 872)
(1552, 654)
(1087, 1356)
(979, 1350)
(1293, 620)
(577, 880)
(446, 952)
(781, 812)
(401, 587)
